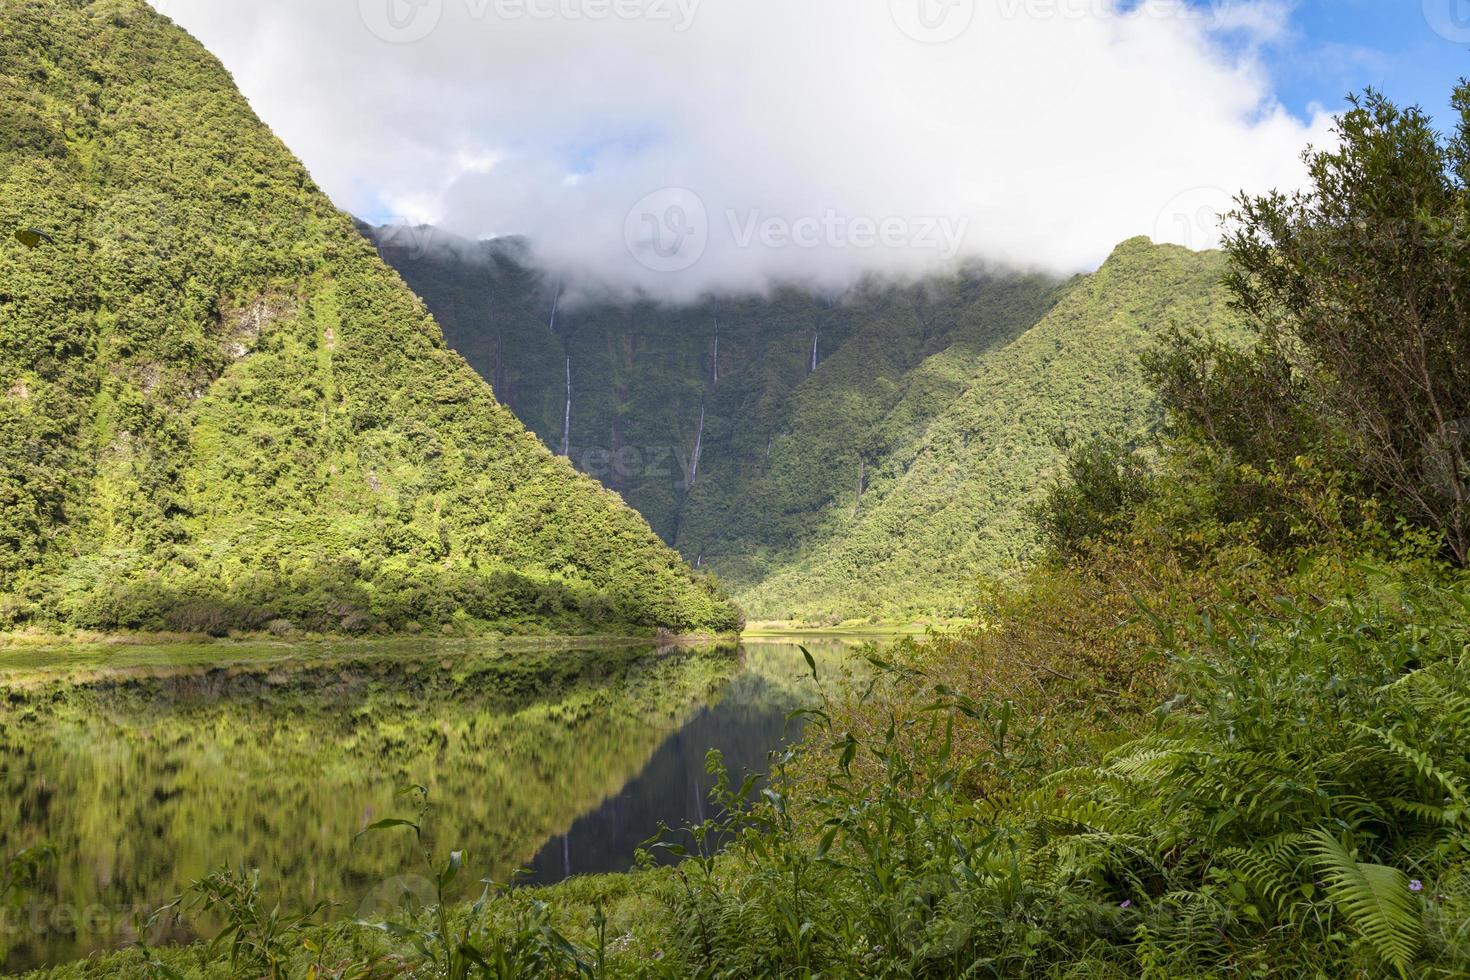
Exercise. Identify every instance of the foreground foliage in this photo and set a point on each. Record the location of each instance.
(1303, 804)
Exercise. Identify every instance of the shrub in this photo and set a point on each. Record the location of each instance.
(215, 616)
(1105, 479)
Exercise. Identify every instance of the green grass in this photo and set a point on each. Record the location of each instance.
(859, 630)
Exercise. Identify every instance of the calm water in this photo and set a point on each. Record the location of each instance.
(555, 762)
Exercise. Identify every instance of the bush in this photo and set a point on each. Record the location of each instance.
(215, 617)
(1104, 480)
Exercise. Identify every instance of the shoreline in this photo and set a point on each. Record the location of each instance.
(886, 628)
(122, 651)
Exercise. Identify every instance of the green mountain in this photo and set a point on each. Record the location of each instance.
(881, 482)
(219, 408)
(954, 502)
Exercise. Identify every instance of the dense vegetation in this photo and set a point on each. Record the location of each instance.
(219, 410)
(1219, 731)
(951, 503)
(796, 405)
(879, 484)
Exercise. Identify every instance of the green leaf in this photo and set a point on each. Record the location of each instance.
(1375, 899)
(451, 870)
(388, 824)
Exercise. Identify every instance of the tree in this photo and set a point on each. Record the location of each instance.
(1361, 285)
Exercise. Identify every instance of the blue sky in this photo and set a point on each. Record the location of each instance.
(1398, 46)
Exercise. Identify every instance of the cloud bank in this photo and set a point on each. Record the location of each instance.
(679, 147)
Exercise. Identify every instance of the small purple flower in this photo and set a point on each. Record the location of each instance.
(1416, 885)
(1127, 903)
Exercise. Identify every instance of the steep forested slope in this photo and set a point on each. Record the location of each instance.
(954, 503)
(881, 482)
(736, 426)
(218, 407)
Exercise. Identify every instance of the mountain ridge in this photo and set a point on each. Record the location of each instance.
(795, 458)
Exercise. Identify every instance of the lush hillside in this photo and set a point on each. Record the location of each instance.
(954, 501)
(880, 483)
(219, 409)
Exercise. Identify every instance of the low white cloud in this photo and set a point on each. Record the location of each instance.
(682, 146)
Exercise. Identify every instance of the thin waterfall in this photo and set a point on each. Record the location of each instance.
(566, 425)
(815, 338)
(717, 342)
(698, 447)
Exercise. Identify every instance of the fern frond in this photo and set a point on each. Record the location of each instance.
(1452, 816)
(1374, 898)
(1148, 764)
(1423, 765)
(1272, 869)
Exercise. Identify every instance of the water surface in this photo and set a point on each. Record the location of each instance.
(164, 765)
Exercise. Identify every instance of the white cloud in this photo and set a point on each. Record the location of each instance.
(1048, 130)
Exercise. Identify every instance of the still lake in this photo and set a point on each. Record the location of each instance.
(540, 763)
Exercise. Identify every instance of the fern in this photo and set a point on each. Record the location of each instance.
(1272, 869)
(1149, 764)
(1426, 768)
(1376, 900)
